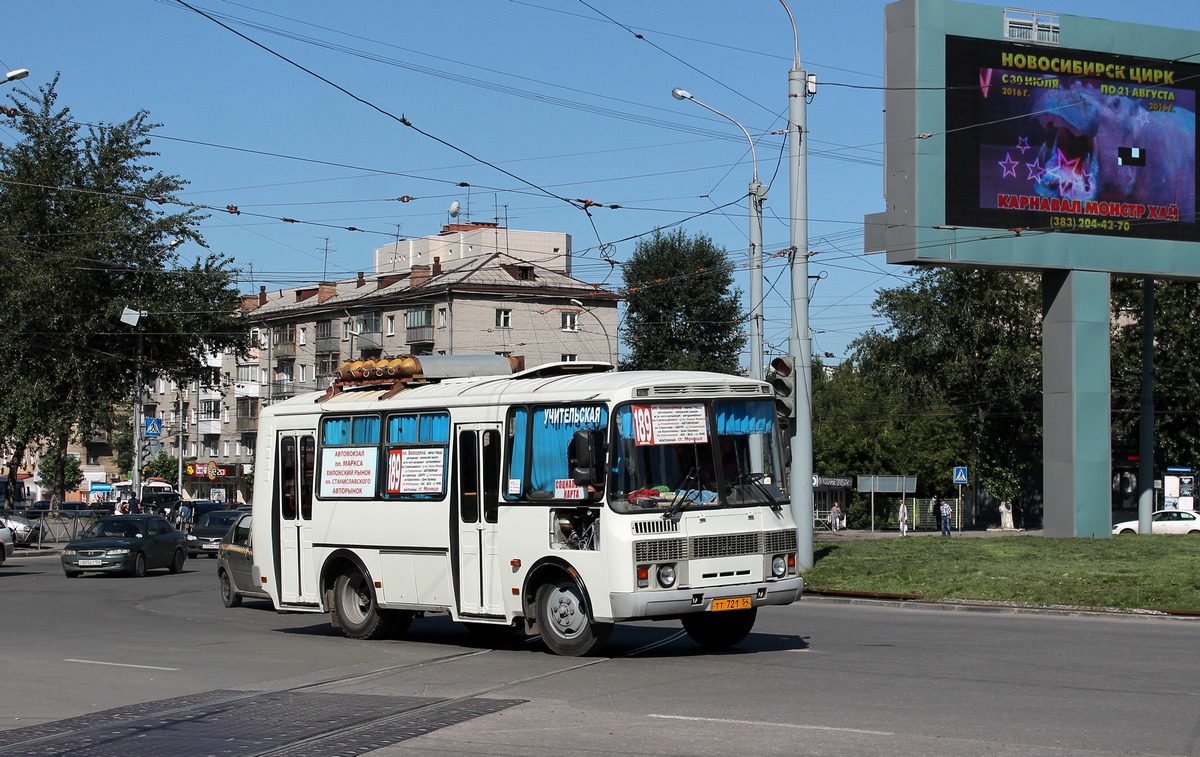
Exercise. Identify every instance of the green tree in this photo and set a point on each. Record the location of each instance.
(164, 466)
(55, 461)
(83, 236)
(682, 311)
(965, 344)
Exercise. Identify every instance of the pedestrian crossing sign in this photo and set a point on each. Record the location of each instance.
(153, 427)
(960, 474)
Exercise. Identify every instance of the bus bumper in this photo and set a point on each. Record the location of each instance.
(677, 602)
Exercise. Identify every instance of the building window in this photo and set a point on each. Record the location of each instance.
(568, 357)
(324, 329)
(210, 410)
(369, 323)
(327, 363)
(443, 318)
(570, 321)
(503, 318)
(284, 334)
(391, 325)
(303, 335)
(346, 329)
(225, 448)
(415, 319)
(303, 372)
(247, 374)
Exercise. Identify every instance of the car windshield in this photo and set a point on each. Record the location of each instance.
(224, 519)
(679, 456)
(113, 528)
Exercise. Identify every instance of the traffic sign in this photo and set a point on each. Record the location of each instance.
(960, 474)
(153, 427)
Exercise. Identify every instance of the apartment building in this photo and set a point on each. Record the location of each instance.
(475, 288)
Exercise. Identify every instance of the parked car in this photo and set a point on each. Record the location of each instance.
(208, 532)
(235, 564)
(65, 509)
(199, 507)
(160, 503)
(1170, 521)
(23, 530)
(6, 543)
(126, 544)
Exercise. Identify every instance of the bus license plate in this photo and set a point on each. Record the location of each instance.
(732, 603)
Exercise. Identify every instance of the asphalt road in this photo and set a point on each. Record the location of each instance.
(120, 666)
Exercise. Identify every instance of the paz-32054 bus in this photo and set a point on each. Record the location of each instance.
(563, 499)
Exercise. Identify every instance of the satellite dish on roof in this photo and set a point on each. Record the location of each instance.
(454, 206)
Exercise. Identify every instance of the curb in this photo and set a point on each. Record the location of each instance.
(998, 607)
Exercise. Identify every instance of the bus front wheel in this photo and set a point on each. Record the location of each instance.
(357, 613)
(719, 630)
(563, 621)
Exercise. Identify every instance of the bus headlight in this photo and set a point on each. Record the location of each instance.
(778, 566)
(666, 576)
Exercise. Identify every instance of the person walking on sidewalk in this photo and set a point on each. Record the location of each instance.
(946, 512)
(903, 515)
(835, 516)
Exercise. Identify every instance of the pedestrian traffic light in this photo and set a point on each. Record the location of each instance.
(783, 380)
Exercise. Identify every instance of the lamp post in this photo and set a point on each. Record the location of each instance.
(19, 73)
(131, 318)
(758, 195)
(600, 323)
(800, 489)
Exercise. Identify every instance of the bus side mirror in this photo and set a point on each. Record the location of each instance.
(587, 457)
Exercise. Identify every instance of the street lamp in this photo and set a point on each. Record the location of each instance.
(758, 195)
(19, 73)
(600, 323)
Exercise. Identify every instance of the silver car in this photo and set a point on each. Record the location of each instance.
(6, 543)
(235, 565)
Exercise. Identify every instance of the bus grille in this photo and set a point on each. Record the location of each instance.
(656, 526)
(662, 550)
(725, 545)
(781, 541)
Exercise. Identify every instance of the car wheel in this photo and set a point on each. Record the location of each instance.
(139, 565)
(73, 573)
(229, 597)
(563, 620)
(1128, 531)
(355, 608)
(719, 630)
(177, 563)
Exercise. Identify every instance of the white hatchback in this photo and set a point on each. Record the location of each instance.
(1170, 521)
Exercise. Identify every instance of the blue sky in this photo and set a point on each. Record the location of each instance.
(527, 101)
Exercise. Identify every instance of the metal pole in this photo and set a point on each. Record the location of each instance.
(800, 340)
(179, 444)
(136, 478)
(1146, 424)
(757, 196)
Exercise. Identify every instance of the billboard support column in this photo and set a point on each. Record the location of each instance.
(1076, 404)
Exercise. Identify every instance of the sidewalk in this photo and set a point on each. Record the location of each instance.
(856, 534)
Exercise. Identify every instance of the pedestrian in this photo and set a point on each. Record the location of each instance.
(121, 508)
(946, 512)
(135, 504)
(185, 516)
(835, 516)
(903, 518)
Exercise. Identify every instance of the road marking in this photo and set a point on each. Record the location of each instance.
(118, 664)
(776, 725)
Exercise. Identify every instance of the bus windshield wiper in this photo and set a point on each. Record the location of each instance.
(682, 496)
(755, 480)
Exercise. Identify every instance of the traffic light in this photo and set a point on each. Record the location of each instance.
(783, 380)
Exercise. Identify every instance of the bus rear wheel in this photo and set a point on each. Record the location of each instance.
(563, 620)
(357, 612)
(719, 630)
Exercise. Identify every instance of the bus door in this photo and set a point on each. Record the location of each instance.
(293, 492)
(478, 504)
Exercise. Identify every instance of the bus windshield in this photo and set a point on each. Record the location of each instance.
(696, 455)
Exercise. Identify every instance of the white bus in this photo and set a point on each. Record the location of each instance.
(565, 498)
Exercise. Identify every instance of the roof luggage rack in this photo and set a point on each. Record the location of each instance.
(397, 373)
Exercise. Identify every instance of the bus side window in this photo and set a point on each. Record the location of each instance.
(468, 473)
(490, 486)
(287, 477)
(308, 464)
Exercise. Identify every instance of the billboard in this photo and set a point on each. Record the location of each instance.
(1060, 140)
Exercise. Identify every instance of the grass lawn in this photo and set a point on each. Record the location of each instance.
(1127, 572)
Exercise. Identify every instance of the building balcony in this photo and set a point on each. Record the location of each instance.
(283, 389)
(283, 350)
(369, 340)
(328, 344)
(247, 389)
(246, 425)
(419, 335)
(208, 426)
